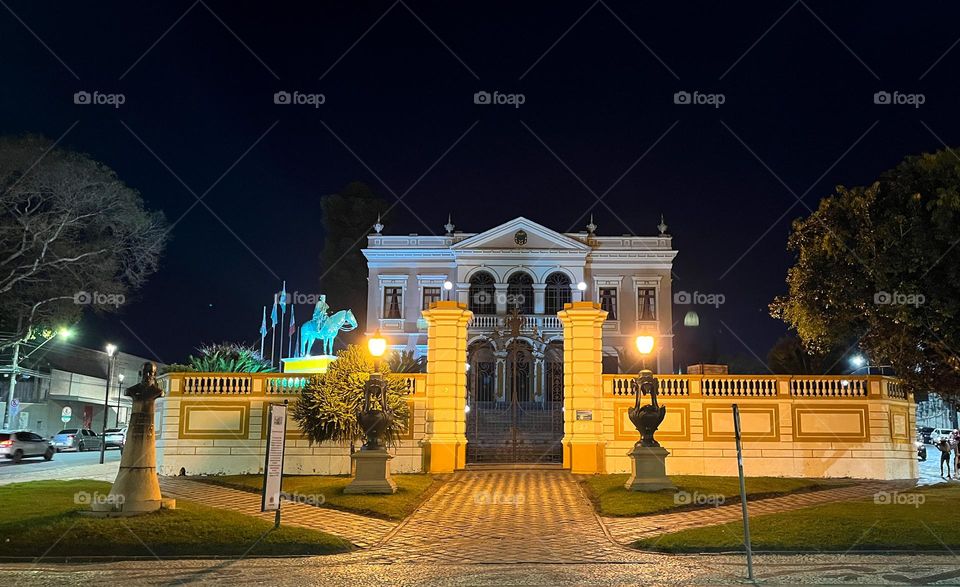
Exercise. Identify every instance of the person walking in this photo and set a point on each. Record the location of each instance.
(955, 442)
(943, 445)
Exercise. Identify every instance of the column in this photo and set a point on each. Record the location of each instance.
(583, 442)
(445, 442)
(539, 297)
(501, 297)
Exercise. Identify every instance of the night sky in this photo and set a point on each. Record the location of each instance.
(199, 120)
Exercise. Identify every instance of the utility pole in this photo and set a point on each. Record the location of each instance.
(13, 385)
(111, 350)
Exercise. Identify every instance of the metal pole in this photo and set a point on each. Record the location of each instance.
(7, 424)
(106, 408)
(743, 493)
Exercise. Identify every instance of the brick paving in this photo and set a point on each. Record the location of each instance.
(362, 531)
(628, 530)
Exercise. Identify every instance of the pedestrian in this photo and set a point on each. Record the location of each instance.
(945, 449)
(955, 442)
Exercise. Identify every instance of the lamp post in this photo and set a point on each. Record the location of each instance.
(111, 351)
(119, 393)
(582, 286)
(372, 460)
(447, 286)
(648, 457)
(63, 333)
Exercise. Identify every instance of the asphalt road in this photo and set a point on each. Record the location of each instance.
(61, 463)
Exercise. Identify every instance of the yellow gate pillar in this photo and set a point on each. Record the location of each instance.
(445, 442)
(583, 442)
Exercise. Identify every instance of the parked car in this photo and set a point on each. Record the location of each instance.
(78, 439)
(115, 437)
(939, 433)
(921, 450)
(21, 444)
(925, 433)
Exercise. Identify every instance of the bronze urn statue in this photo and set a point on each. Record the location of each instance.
(649, 417)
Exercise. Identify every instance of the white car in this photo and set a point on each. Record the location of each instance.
(939, 433)
(18, 445)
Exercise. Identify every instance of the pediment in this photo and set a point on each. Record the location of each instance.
(538, 237)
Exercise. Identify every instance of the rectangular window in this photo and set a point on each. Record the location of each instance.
(608, 301)
(646, 303)
(392, 302)
(430, 295)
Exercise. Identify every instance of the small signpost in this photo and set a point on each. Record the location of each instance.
(273, 465)
(14, 408)
(66, 414)
(743, 493)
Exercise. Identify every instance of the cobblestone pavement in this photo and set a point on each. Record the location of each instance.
(360, 530)
(628, 530)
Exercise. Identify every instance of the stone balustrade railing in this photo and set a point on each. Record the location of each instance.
(529, 322)
(764, 386)
(252, 384)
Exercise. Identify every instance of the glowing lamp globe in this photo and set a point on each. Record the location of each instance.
(645, 344)
(377, 344)
(691, 319)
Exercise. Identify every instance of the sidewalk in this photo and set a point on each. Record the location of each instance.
(628, 530)
(360, 530)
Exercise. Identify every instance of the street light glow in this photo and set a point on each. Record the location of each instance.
(858, 361)
(111, 349)
(377, 344)
(645, 344)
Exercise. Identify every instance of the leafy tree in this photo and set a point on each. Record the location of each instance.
(329, 405)
(789, 357)
(72, 235)
(404, 362)
(880, 264)
(347, 220)
(224, 357)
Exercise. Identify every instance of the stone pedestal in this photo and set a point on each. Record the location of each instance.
(372, 472)
(648, 469)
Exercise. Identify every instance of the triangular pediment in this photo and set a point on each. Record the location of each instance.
(505, 236)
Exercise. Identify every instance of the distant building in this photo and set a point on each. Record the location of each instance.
(70, 377)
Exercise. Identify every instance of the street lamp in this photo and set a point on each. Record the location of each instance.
(448, 286)
(63, 332)
(375, 420)
(119, 393)
(111, 351)
(582, 286)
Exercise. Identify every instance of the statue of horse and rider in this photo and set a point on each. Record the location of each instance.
(324, 328)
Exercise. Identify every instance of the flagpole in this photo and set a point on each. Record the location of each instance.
(263, 330)
(283, 313)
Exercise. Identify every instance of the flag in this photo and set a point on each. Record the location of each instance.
(283, 296)
(273, 314)
(293, 324)
(263, 325)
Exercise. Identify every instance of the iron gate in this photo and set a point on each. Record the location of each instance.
(515, 402)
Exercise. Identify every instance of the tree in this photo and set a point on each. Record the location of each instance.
(72, 235)
(880, 264)
(347, 218)
(404, 362)
(789, 357)
(329, 405)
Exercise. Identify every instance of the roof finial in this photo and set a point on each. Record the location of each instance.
(662, 226)
(591, 228)
(449, 225)
(379, 225)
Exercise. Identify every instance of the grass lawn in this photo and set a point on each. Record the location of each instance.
(411, 491)
(842, 526)
(41, 518)
(611, 499)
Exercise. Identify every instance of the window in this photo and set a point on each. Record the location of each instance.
(520, 292)
(608, 301)
(392, 302)
(483, 294)
(430, 295)
(646, 303)
(557, 293)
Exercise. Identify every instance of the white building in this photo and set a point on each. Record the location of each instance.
(524, 265)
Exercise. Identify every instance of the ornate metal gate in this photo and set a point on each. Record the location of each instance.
(515, 398)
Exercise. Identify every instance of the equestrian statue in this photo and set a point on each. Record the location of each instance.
(324, 328)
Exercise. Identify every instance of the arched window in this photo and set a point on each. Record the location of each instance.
(483, 296)
(557, 293)
(520, 292)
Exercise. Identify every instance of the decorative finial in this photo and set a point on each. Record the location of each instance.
(662, 226)
(591, 228)
(379, 225)
(449, 225)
